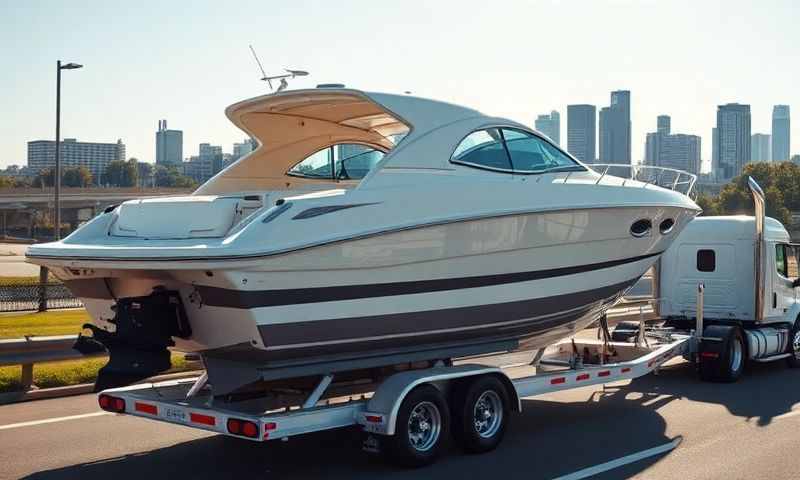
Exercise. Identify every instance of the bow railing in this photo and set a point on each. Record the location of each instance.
(670, 178)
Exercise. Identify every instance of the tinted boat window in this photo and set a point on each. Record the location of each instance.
(346, 161)
(483, 148)
(530, 153)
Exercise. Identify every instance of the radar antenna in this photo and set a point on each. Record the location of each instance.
(283, 83)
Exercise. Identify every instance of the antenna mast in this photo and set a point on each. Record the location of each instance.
(263, 73)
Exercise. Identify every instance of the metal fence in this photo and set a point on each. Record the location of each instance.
(34, 296)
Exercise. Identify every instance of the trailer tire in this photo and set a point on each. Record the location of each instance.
(423, 422)
(794, 346)
(480, 413)
(723, 360)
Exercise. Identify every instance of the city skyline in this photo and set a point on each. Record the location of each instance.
(163, 67)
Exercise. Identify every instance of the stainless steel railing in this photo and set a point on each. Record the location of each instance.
(669, 178)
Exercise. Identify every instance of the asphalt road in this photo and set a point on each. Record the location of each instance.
(12, 261)
(731, 431)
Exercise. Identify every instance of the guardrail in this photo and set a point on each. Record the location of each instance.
(29, 351)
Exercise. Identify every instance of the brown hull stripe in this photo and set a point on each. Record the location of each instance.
(223, 297)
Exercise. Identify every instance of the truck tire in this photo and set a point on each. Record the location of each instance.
(624, 331)
(794, 346)
(723, 360)
(480, 414)
(423, 422)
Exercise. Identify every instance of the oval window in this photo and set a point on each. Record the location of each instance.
(642, 227)
(666, 226)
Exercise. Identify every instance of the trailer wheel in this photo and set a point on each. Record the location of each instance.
(722, 360)
(480, 414)
(423, 421)
(794, 346)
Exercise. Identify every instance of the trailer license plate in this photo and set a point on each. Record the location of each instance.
(175, 414)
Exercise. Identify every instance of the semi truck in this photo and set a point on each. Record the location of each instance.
(747, 268)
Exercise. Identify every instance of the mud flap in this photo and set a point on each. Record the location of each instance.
(138, 348)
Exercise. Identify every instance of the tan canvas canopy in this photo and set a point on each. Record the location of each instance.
(290, 126)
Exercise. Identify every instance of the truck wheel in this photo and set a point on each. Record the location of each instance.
(624, 331)
(480, 414)
(423, 421)
(722, 360)
(794, 346)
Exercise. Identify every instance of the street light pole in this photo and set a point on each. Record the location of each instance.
(57, 173)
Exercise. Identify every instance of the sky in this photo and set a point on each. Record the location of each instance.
(151, 60)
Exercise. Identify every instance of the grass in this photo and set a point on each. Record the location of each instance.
(14, 281)
(56, 322)
(55, 374)
(71, 372)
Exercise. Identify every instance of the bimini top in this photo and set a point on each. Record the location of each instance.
(293, 125)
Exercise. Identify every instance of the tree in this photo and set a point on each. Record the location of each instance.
(122, 174)
(7, 182)
(77, 177)
(145, 172)
(781, 185)
(44, 178)
(171, 178)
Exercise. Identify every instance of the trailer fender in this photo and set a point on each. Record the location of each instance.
(380, 415)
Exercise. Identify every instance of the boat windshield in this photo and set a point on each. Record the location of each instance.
(347, 161)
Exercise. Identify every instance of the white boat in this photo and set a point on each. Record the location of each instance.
(366, 230)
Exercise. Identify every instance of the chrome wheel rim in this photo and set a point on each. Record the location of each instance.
(487, 416)
(736, 356)
(796, 344)
(424, 426)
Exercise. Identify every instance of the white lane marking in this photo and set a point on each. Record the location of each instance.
(635, 457)
(52, 420)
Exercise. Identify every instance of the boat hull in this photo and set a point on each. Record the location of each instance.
(524, 281)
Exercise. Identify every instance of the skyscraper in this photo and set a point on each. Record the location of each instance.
(760, 150)
(663, 124)
(781, 136)
(615, 129)
(714, 152)
(733, 139)
(677, 151)
(550, 125)
(581, 132)
(169, 145)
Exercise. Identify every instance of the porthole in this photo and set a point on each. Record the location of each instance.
(666, 226)
(642, 227)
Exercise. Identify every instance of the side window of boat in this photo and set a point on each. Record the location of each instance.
(483, 148)
(530, 154)
(345, 161)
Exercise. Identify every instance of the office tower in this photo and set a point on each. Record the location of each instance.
(615, 129)
(550, 125)
(665, 149)
(733, 139)
(760, 148)
(663, 124)
(169, 145)
(781, 136)
(581, 132)
(94, 156)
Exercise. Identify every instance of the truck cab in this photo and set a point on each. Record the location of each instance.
(720, 252)
(735, 279)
